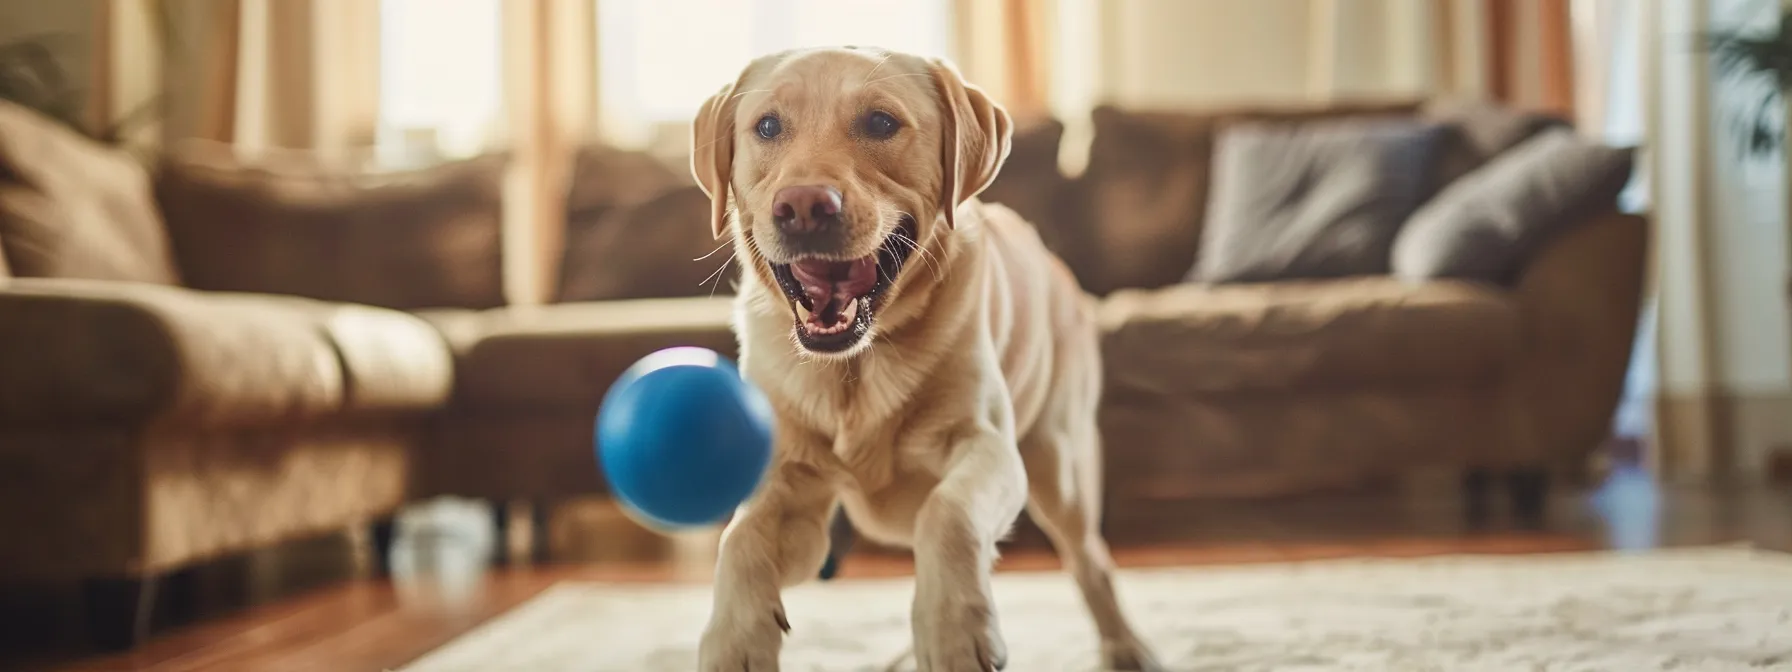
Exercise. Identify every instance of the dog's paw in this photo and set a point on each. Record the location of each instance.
(742, 644)
(957, 636)
(1128, 656)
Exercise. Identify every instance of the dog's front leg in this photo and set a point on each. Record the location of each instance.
(778, 539)
(975, 503)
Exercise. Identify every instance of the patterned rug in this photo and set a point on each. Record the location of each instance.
(1697, 609)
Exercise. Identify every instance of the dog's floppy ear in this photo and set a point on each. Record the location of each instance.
(975, 139)
(712, 154)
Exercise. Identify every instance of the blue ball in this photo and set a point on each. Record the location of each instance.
(683, 439)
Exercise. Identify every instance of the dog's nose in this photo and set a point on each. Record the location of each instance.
(806, 209)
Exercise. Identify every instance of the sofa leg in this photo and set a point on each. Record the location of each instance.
(500, 533)
(1476, 484)
(1528, 488)
(380, 534)
(539, 547)
(118, 611)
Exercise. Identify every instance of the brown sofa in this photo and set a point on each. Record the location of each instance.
(1277, 388)
(147, 424)
(1300, 386)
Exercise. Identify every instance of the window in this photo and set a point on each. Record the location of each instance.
(659, 59)
(440, 88)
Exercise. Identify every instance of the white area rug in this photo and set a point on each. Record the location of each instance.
(1699, 609)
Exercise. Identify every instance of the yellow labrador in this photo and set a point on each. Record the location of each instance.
(932, 366)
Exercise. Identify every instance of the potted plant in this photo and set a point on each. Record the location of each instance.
(1758, 65)
(1757, 62)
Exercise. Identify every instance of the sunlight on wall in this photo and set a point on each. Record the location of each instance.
(659, 59)
(440, 88)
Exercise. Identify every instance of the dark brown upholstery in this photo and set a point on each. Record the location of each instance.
(657, 248)
(529, 383)
(418, 239)
(1330, 335)
(637, 228)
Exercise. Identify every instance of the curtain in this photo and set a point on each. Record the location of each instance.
(1530, 48)
(264, 74)
(550, 98)
(124, 86)
(261, 75)
(1515, 51)
(1006, 47)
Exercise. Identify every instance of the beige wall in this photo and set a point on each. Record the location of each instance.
(1170, 53)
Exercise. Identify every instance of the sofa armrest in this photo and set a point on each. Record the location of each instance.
(129, 353)
(1580, 299)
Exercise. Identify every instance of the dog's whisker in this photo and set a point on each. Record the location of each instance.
(927, 257)
(714, 251)
(886, 78)
(717, 276)
(880, 63)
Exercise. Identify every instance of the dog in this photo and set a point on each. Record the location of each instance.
(931, 366)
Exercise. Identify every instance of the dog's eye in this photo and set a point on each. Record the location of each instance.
(769, 127)
(879, 125)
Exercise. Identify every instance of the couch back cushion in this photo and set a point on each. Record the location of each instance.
(71, 207)
(1147, 183)
(638, 228)
(1481, 130)
(1319, 200)
(656, 249)
(1486, 225)
(427, 238)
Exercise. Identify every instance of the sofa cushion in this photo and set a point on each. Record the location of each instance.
(1309, 336)
(1487, 224)
(391, 361)
(1480, 130)
(1146, 186)
(606, 177)
(1319, 200)
(659, 248)
(566, 355)
(121, 353)
(298, 225)
(128, 352)
(74, 208)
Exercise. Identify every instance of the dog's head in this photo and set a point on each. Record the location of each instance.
(843, 164)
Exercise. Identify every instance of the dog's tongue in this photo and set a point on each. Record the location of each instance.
(830, 285)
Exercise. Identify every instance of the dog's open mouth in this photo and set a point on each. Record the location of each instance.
(836, 302)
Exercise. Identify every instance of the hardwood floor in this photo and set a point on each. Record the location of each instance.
(375, 624)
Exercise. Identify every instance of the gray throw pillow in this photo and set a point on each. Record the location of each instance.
(1485, 225)
(1314, 200)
